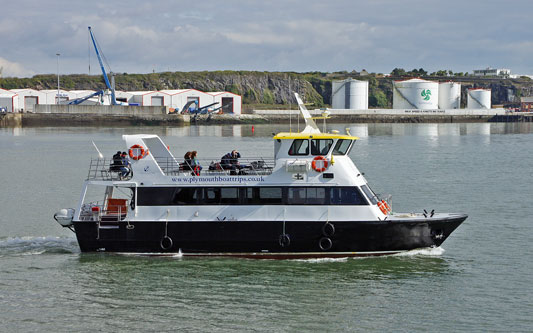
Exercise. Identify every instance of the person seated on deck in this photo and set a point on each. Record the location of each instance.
(230, 161)
(116, 164)
(195, 164)
(187, 162)
(125, 169)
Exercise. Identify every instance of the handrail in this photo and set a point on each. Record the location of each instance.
(99, 168)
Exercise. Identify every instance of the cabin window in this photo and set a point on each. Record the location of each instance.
(299, 147)
(221, 196)
(263, 196)
(166, 196)
(296, 196)
(184, 196)
(320, 146)
(316, 196)
(342, 146)
(347, 196)
(370, 194)
(270, 195)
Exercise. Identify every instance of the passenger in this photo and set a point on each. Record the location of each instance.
(195, 164)
(187, 161)
(230, 161)
(125, 169)
(116, 164)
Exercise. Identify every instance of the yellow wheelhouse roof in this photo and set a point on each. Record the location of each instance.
(285, 136)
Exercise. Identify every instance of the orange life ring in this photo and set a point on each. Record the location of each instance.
(137, 148)
(324, 161)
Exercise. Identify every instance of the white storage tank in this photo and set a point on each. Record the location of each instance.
(415, 94)
(349, 94)
(478, 98)
(449, 95)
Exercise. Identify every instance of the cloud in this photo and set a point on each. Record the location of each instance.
(291, 35)
(13, 69)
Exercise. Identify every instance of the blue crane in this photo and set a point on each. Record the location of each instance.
(106, 79)
(83, 99)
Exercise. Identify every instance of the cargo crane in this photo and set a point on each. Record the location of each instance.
(110, 86)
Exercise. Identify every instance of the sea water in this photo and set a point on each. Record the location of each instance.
(479, 280)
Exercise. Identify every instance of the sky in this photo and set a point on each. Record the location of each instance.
(289, 35)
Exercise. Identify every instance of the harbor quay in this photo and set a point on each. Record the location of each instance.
(115, 115)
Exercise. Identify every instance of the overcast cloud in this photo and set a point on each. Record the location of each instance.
(289, 35)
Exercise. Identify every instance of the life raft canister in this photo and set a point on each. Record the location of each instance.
(324, 164)
(137, 152)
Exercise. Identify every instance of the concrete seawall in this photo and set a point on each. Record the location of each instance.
(97, 115)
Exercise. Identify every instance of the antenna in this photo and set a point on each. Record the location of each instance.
(290, 105)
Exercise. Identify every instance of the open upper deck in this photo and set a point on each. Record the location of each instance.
(100, 168)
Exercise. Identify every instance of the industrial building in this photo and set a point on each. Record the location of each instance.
(503, 72)
(9, 100)
(349, 94)
(174, 99)
(180, 97)
(27, 98)
(415, 94)
(526, 104)
(228, 102)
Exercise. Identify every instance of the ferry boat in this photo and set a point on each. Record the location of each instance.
(310, 201)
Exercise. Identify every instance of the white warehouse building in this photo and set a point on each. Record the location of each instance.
(149, 98)
(9, 100)
(28, 98)
(229, 102)
(180, 97)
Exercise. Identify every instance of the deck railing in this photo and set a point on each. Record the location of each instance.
(100, 168)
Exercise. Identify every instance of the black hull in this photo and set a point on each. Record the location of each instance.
(266, 239)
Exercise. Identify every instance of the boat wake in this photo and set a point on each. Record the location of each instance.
(322, 260)
(32, 245)
(425, 252)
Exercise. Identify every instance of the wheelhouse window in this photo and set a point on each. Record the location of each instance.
(347, 196)
(370, 194)
(342, 147)
(320, 146)
(299, 147)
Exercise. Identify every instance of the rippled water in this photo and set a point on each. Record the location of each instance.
(480, 280)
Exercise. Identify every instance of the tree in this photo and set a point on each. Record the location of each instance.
(378, 99)
(398, 72)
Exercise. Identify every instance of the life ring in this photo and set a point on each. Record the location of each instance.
(328, 229)
(324, 163)
(137, 148)
(166, 242)
(325, 243)
(196, 171)
(383, 207)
